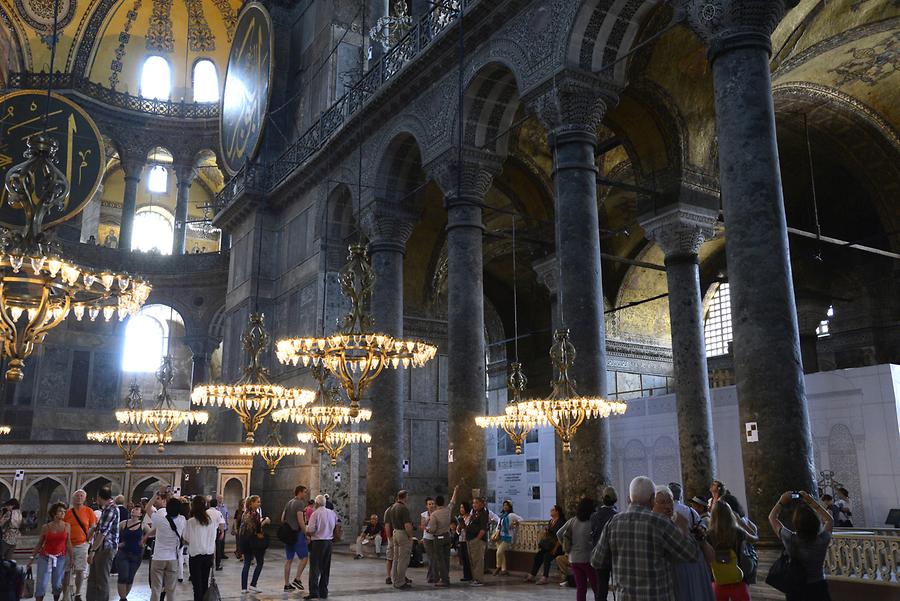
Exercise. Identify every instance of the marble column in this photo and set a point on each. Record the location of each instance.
(184, 177)
(571, 110)
(767, 365)
(388, 234)
(679, 231)
(132, 170)
(465, 185)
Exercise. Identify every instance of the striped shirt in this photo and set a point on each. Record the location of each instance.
(641, 546)
(108, 526)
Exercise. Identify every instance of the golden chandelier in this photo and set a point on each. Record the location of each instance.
(515, 422)
(564, 409)
(165, 416)
(322, 418)
(273, 451)
(131, 439)
(335, 442)
(356, 355)
(254, 396)
(38, 286)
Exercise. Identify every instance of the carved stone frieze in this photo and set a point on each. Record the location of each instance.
(681, 230)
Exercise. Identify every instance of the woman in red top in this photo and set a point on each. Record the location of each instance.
(53, 547)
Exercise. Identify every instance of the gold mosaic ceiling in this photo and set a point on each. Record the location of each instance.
(107, 40)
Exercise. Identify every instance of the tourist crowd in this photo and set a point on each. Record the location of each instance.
(657, 548)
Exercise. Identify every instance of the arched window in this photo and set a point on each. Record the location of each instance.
(147, 338)
(824, 328)
(156, 78)
(206, 81)
(717, 328)
(154, 230)
(158, 179)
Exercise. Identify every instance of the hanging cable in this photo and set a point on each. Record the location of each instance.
(52, 62)
(812, 185)
(515, 298)
(325, 253)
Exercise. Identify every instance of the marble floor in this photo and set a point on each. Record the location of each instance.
(358, 579)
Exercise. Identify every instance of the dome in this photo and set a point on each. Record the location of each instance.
(108, 41)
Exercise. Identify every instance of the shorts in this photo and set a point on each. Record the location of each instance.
(298, 549)
(79, 558)
(127, 566)
(388, 554)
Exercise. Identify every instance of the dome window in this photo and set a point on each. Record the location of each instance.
(206, 81)
(156, 78)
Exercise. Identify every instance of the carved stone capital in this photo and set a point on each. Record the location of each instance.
(467, 181)
(132, 166)
(574, 101)
(185, 174)
(387, 225)
(724, 24)
(201, 346)
(680, 230)
(547, 270)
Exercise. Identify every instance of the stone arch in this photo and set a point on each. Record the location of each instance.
(490, 103)
(145, 483)
(602, 32)
(634, 461)
(844, 462)
(399, 176)
(5, 491)
(340, 217)
(233, 493)
(41, 493)
(649, 321)
(665, 461)
(93, 483)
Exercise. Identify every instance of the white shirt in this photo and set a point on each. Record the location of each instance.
(216, 516)
(201, 539)
(166, 546)
(692, 517)
(425, 534)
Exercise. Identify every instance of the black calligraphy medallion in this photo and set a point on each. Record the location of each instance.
(81, 155)
(245, 99)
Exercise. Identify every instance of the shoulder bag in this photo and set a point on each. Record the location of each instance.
(787, 574)
(28, 585)
(80, 525)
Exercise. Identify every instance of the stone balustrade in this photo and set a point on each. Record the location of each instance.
(865, 555)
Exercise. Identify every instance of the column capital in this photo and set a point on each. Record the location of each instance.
(729, 24)
(132, 166)
(184, 174)
(201, 345)
(388, 226)
(547, 270)
(477, 171)
(680, 230)
(573, 102)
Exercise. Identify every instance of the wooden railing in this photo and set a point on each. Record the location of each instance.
(865, 555)
(110, 97)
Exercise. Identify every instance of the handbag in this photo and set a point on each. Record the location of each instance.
(725, 568)
(286, 534)
(28, 585)
(212, 593)
(786, 575)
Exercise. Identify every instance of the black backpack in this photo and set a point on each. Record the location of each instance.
(12, 579)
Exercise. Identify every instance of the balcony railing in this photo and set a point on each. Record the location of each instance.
(148, 106)
(865, 556)
(407, 48)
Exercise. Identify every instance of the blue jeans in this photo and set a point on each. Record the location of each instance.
(48, 573)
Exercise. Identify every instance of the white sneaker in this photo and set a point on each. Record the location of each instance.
(244, 591)
(255, 589)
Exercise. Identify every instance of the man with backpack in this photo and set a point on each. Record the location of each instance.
(81, 520)
(292, 533)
